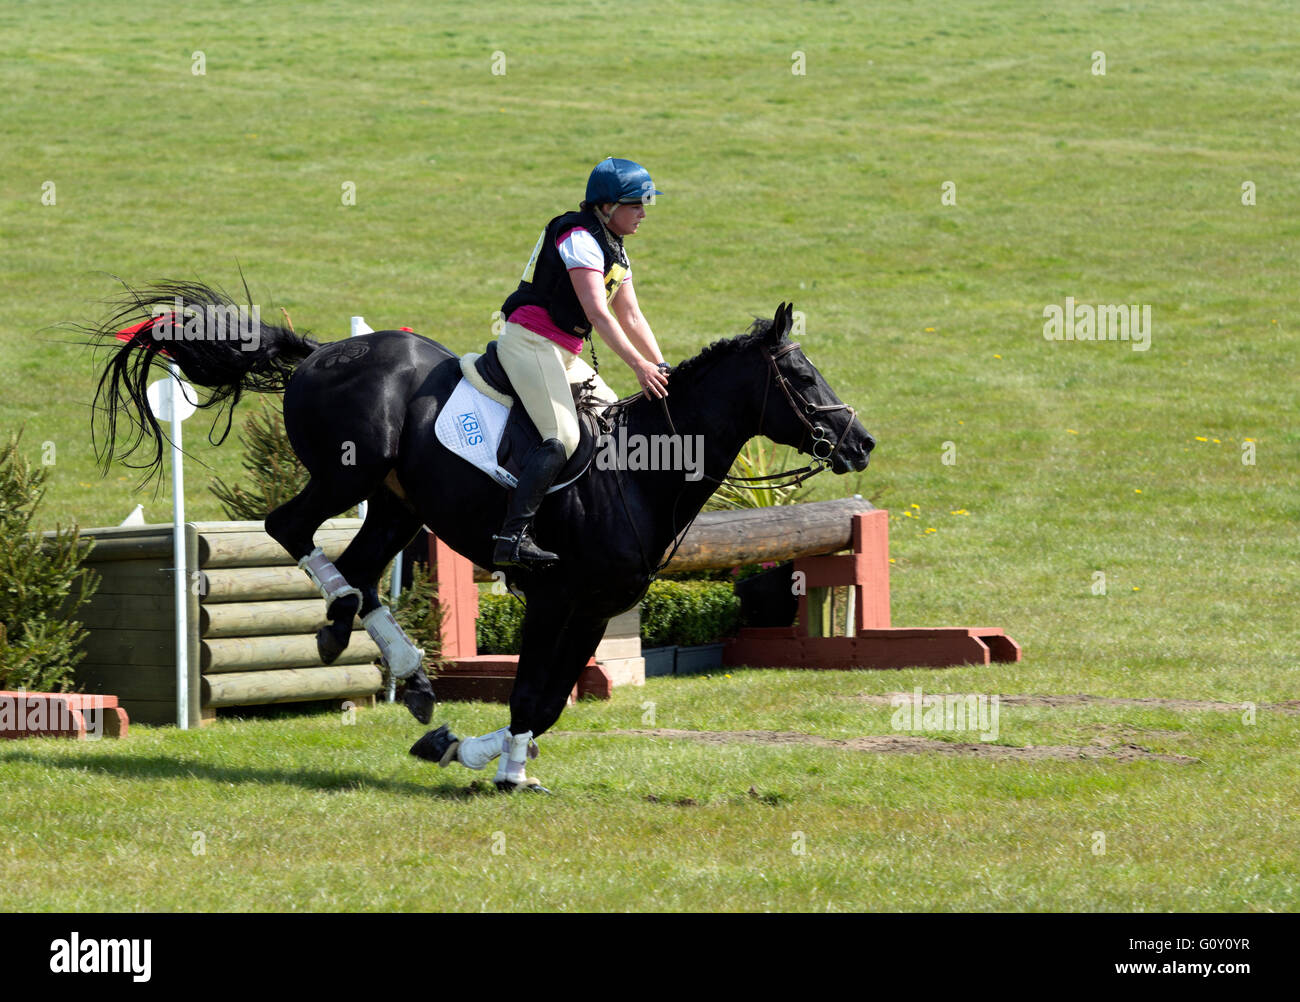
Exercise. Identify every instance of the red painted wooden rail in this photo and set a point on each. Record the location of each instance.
(875, 642)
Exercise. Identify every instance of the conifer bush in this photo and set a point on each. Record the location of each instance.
(275, 472)
(42, 584)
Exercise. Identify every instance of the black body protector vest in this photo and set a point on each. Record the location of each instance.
(546, 281)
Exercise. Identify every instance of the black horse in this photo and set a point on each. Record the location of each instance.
(360, 414)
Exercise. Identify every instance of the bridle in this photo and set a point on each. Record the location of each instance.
(805, 411)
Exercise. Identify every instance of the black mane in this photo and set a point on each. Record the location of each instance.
(758, 330)
(740, 343)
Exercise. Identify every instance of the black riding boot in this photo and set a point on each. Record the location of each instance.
(515, 547)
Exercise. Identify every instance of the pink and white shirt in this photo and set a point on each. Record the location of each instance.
(578, 249)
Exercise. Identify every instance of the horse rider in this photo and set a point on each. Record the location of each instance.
(578, 279)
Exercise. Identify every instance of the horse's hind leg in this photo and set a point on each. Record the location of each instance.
(389, 526)
(293, 526)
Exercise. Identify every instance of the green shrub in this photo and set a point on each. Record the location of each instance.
(42, 585)
(672, 612)
(688, 613)
(500, 626)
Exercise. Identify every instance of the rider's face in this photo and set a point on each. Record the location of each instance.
(627, 218)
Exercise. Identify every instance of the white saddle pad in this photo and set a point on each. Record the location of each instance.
(470, 425)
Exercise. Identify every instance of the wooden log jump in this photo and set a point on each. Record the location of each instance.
(252, 617)
(812, 535)
(722, 539)
(870, 641)
(253, 614)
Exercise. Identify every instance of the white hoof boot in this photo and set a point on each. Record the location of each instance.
(325, 576)
(475, 753)
(510, 772)
(400, 655)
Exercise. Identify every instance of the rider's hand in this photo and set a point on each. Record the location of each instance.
(653, 380)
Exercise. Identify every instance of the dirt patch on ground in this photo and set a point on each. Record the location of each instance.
(1290, 706)
(1102, 748)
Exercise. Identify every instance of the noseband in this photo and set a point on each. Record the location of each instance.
(822, 451)
(805, 412)
(802, 409)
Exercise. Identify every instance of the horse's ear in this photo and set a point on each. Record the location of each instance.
(782, 322)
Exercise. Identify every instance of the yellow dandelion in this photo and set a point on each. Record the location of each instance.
(929, 330)
(1216, 440)
(1071, 431)
(1137, 490)
(891, 560)
(917, 507)
(1201, 438)
(997, 356)
(1136, 588)
(1248, 440)
(932, 529)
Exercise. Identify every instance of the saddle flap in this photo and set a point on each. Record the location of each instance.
(496, 437)
(520, 437)
(492, 372)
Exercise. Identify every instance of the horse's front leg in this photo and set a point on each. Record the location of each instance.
(557, 644)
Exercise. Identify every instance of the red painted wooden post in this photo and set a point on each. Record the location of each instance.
(866, 570)
(871, 570)
(458, 595)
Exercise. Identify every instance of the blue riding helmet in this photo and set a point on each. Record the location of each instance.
(616, 180)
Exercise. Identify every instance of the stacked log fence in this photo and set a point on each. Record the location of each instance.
(251, 614)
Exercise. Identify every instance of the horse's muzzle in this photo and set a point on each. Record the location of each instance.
(853, 455)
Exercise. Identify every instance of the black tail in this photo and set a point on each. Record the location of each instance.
(218, 345)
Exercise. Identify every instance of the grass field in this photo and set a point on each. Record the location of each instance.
(1171, 472)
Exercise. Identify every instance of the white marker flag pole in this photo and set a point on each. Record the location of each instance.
(394, 593)
(359, 327)
(169, 402)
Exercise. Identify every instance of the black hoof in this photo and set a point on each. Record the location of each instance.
(418, 696)
(436, 745)
(532, 786)
(331, 641)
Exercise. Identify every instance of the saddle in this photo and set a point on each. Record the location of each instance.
(481, 423)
